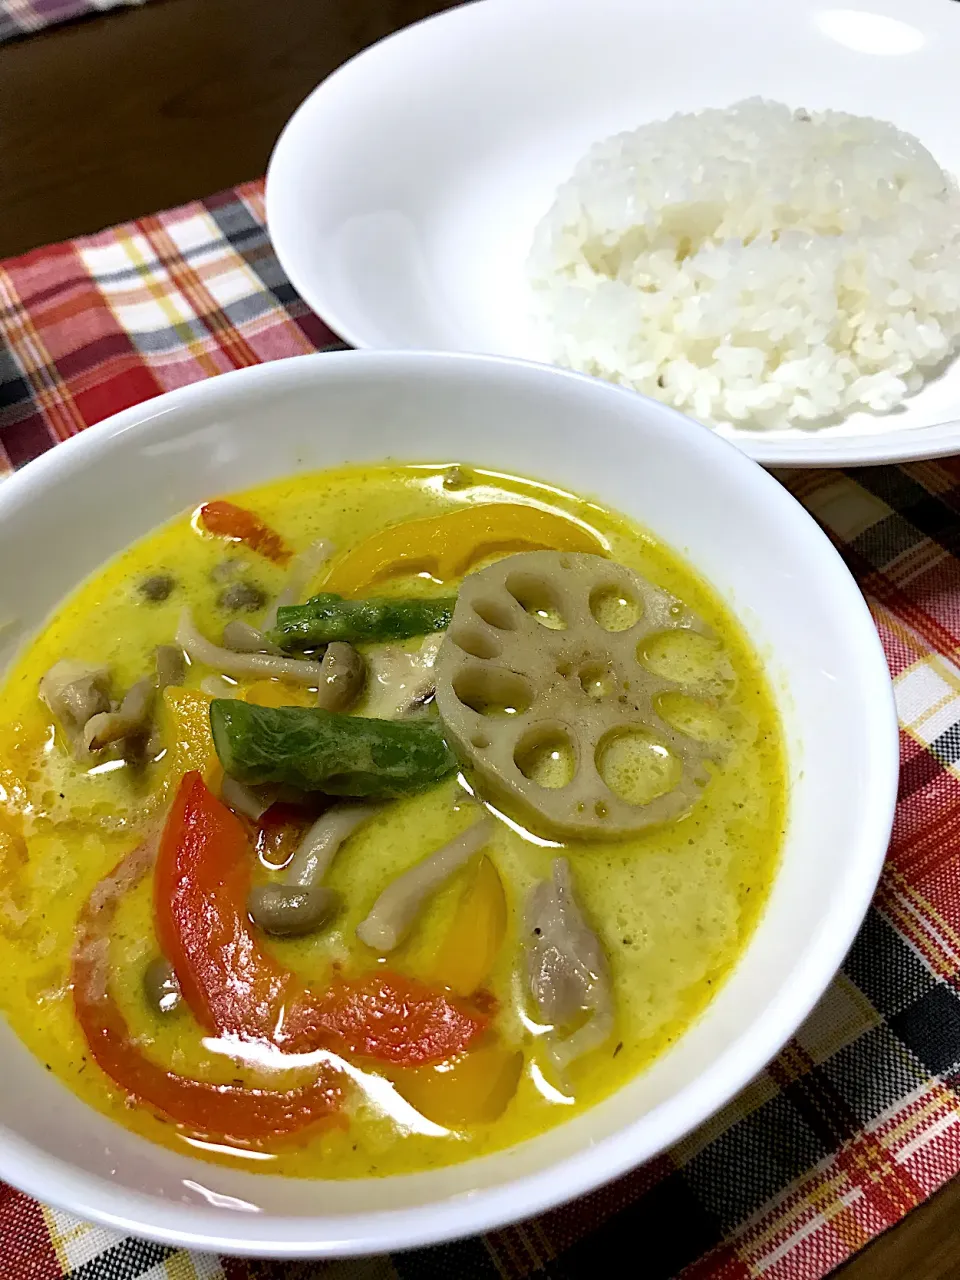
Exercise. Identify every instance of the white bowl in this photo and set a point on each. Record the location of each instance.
(403, 195)
(76, 506)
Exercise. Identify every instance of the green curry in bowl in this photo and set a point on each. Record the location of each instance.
(379, 818)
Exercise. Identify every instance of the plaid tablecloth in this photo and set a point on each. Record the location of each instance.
(20, 17)
(858, 1119)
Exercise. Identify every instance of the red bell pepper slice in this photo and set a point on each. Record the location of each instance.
(201, 883)
(233, 986)
(208, 1110)
(227, 520)
(397, 1019)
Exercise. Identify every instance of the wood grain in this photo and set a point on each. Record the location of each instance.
(140, 109)
(924, 1246)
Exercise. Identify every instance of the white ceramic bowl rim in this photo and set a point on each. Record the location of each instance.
(56, 1181)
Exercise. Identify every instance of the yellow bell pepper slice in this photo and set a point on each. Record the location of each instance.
(188, 735)
(470, 947)
(275, 693)
(447, 546)
(472, 1089)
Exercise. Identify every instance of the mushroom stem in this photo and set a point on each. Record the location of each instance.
(252, 802)
(242, 665)
(242, 637)
(303, 568)
(132, 717)
(299, 903)
(321, 842)
(394, 912)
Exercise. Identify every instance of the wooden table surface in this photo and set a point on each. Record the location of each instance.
(135, 110)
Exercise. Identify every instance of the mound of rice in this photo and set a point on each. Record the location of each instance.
(755, 265)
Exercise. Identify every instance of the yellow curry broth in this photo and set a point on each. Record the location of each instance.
(673, 907)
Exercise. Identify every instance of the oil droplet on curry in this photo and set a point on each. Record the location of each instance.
(376, 819)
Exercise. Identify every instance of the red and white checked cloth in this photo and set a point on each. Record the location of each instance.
(858, 1119)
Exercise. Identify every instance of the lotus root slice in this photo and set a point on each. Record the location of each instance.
(549, 648)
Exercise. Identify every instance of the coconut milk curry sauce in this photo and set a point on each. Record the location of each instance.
(376, 819)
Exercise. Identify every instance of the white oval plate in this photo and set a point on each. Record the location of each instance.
(403, 194)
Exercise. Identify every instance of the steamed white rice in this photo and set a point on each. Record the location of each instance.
(755, 265)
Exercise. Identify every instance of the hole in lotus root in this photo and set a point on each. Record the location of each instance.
(702, 721)
(496, 613)
(614, 608)
(636, 767)
(492, 691)
(684, 656)
(547, 757)
(538, 598)
(597, 680)
(479, 644)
